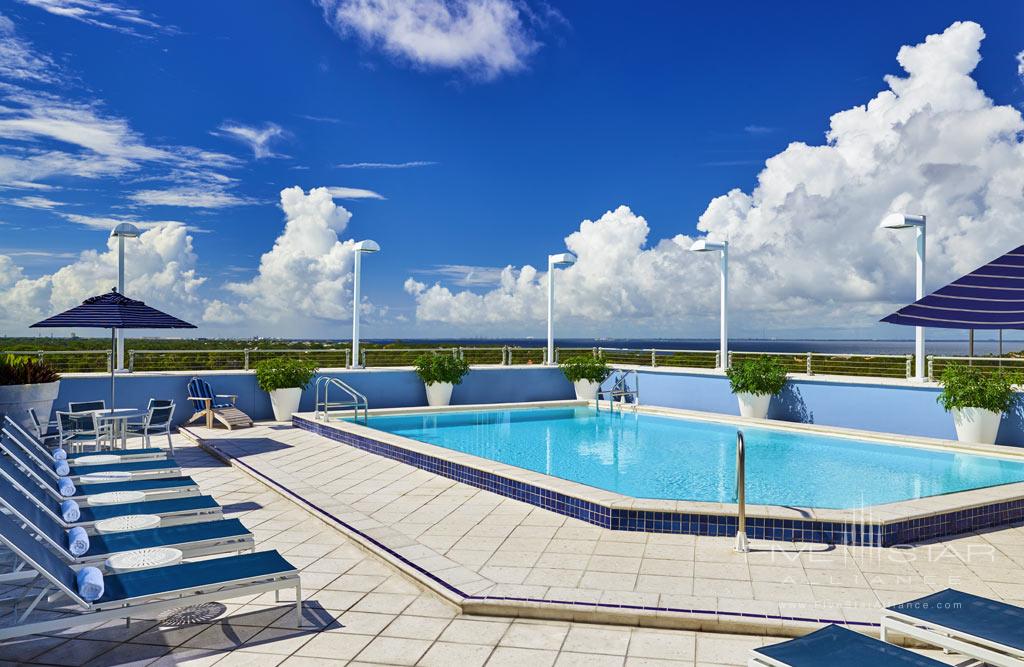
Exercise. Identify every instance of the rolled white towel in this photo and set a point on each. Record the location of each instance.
(66, 487)
(70, 510)
(90, 583)
(78, 541)
(61, 467)
(59, 454)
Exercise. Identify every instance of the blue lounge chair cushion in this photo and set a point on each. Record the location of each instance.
(161, 580)
(166, 536)
(133, 466)
(838, 647)
(70, 511)
(78, 542)
(137, 485)
(158, 507)
(970, 614)
(66, 487)
(90, 583)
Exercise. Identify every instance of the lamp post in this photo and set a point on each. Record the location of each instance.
(704, 245)
(918, 222)
(560, 260)
(124, 230)
(360, 248)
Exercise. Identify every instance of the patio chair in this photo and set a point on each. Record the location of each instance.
(158, 403)
(45, 432)
(80, 429)
(977, 627)
(145, 593)
(220, 407)
(153, 488)
(836, 646)
(86, 406)
(193, 540)
(157, 422)
(46, 455)
(172, 511)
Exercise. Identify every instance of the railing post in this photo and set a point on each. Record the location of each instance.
(596, 352)
(110, 360)
(654, 358)
(718, 359)
(910, 366)
(363, 354)
(931, 366)
(505, 361)
(245, 362)
(131, 361)
(810, 363)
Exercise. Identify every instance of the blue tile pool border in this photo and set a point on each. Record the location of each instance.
(879, 534)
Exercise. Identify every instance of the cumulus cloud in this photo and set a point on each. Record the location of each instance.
(258, 139)
(305, 279)
(486, 38)
(99, 13)
(162, 272)
(805, 246)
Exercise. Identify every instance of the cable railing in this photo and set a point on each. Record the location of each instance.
(809, 363)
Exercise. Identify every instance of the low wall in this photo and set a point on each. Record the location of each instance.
(384, 388)
(890, 406)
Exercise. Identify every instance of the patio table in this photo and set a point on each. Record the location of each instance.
(118, 417)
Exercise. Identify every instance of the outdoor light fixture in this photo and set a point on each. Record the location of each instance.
(124, 230)
(903, 221)
(561, 260)
(704, 245)
(360, 248)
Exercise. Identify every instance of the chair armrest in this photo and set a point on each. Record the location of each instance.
(233, 397)
(201, 398)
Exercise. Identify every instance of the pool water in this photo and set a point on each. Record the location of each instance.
(648, 456)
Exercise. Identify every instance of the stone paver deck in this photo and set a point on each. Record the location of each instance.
(495, 555)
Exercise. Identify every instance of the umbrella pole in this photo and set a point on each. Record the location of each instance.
(113, 348)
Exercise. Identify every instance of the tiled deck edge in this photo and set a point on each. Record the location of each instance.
(736, 622)
(880, 533)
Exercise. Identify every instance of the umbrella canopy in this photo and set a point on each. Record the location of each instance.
(991, 297)
(113, 311)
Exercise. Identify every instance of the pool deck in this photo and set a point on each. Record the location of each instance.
(492, 555)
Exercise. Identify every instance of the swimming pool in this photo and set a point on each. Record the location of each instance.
(651, 456)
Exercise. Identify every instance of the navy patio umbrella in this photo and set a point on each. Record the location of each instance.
(113, 311)
(990, 297)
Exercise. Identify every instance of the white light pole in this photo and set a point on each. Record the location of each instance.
(703, 245)
(901, 221)
(361, 247)
(560, 260)
(125, 230)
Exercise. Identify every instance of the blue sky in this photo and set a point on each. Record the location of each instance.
(508, 138)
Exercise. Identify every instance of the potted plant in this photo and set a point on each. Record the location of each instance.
(284, 379)
(586, 372)
(26, 383)
(440, 373)
(755, 381)
(977, 400)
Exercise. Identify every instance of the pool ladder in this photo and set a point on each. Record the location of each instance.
(354, 402)
(621, 392)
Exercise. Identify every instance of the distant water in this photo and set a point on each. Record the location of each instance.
(937, 347)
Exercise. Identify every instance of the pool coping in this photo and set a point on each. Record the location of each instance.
(889, 524)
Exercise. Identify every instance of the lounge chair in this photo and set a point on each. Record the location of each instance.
(835, 646)
(153, 488)
(40, 447)
(145, 593)
(214, 406)
(134, 470)
(979, 628)
(44, 432)
(193, 540)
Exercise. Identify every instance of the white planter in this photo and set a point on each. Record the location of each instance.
(754, 405)
(586, 390)
(976, 425)
(16, 399)
(285, 402)
(439, 393)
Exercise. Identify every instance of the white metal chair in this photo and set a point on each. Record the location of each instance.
(78, 429)
(157, 422)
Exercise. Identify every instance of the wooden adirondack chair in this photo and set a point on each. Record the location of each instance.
(220, 407)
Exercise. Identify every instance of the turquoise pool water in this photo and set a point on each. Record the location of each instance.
(647, 456)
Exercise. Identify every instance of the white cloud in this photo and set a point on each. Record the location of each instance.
(806, 251)
(465, 275)
(758, 129)
(162, 272)
(1020, 63)
(258, 139)
(304, 279)
(340, 192)
(485, 38)
(190, 196)
(99, 13)
(106, 223)
(18, 60)
(385, 165)
(41, 203)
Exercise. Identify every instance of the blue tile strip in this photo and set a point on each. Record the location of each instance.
(787, 530)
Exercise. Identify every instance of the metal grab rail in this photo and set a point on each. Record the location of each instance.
(741, 493)
(323, 407)
(620, 389)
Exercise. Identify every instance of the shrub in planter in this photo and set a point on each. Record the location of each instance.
(26, 383)
(977, 400)
(755, 381)
(586, 372)
(284, 378)
(440, 373)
